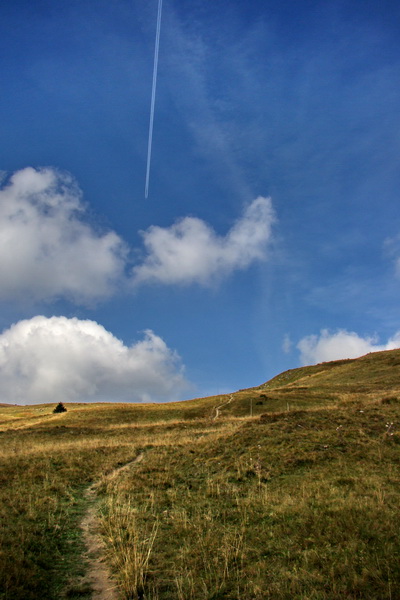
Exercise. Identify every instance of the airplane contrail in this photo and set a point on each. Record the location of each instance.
(153, 97)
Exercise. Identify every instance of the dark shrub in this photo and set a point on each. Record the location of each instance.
(60, 408)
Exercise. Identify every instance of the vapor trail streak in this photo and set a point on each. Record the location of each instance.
(153, 97)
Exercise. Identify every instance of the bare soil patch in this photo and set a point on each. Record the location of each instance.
(218, 408)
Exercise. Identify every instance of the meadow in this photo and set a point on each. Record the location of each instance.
(289, 490)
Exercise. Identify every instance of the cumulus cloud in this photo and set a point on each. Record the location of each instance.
(191, 252)
(46, 249)
(342, 344)
(60, 359)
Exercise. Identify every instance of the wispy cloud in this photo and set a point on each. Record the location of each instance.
(342, 344)
(191, 252)
(212, 94)
(391, 249)
(47, 250)
(287, 344)
(52, 359)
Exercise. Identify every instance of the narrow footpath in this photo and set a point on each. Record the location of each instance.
(98, 575)
(218, 408)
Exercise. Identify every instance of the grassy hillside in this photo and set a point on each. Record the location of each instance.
(288, 490)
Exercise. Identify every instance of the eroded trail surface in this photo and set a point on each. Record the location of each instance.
(218, 408)
(98, 575)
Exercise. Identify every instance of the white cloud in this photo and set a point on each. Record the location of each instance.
(46, 250)
(287, 344)
(191, 252)
(342, 344)
(59, 359)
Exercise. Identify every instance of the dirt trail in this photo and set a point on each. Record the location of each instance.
(98, 575)
(218, 408)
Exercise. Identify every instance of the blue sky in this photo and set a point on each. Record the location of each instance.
(271, 235)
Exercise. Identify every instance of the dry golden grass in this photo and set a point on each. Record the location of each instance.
(304, 506)
(299, 501)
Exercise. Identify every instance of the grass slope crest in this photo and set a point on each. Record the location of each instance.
(288, 490)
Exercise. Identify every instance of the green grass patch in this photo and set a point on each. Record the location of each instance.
(289, 491)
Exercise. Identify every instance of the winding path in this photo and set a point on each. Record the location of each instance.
(98, 575)
(218, 408)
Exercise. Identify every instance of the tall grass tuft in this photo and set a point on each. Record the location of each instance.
(129, 538)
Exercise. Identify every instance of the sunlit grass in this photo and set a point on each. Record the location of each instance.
(302, 507)
(299, 501)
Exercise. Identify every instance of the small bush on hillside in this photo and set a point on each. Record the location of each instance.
(60, 408)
